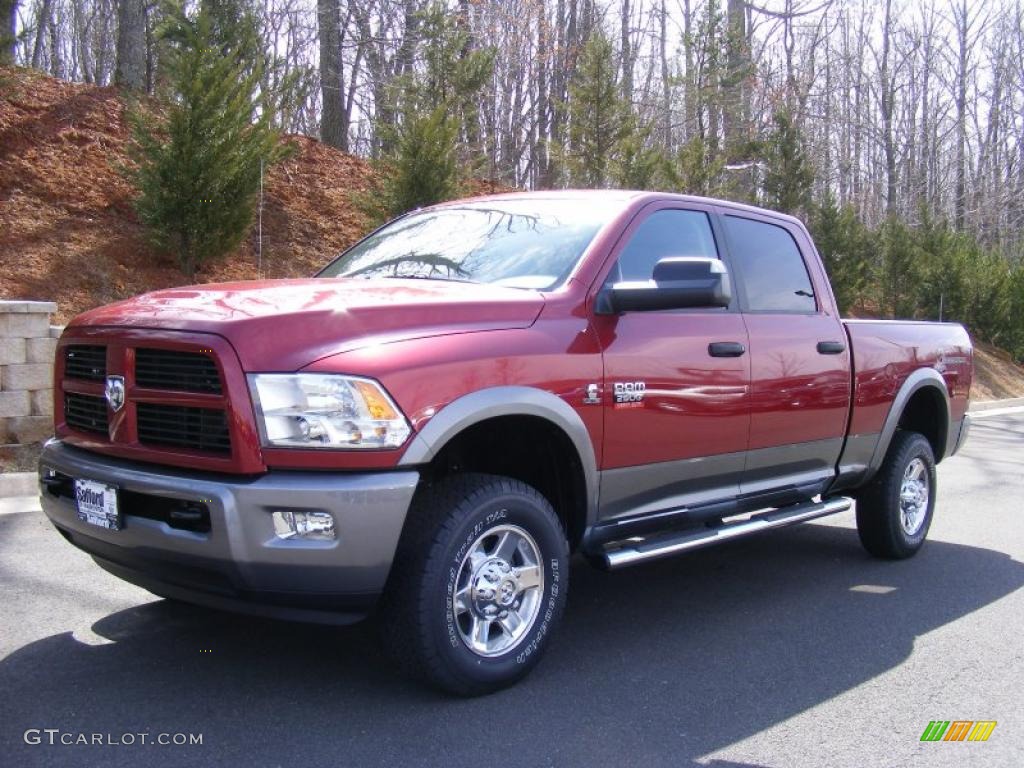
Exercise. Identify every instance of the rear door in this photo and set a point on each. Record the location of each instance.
(676, 411)
(800, 364)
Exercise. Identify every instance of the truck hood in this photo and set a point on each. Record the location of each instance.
(284, 325)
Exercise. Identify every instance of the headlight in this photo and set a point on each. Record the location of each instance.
(316, 410)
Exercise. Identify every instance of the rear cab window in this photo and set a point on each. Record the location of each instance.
(771, 268)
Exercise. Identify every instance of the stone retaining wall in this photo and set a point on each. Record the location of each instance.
(27, 346)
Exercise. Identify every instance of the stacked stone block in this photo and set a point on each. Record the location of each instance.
(27, 346)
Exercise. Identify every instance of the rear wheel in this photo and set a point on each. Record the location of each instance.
(894, 511)
(478, 584)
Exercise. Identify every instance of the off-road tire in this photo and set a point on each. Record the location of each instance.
(418, 625)
(880, 518)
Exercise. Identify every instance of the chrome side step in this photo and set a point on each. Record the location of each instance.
(671, 544)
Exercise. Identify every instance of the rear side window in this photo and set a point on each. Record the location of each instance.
(770, 265)
(663, 234)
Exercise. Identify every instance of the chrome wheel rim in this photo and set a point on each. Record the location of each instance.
(498, 590)
(914, 494)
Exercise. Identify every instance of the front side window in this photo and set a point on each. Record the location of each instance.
(770, 265)
(664, 234)
(531, 243)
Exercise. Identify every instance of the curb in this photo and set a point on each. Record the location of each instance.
(988, 405)
(18, 484)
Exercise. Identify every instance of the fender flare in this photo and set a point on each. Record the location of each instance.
(494, 402)
(920, 379)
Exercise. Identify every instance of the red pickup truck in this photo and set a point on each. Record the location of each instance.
(432, 424)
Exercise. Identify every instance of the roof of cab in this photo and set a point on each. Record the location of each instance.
(637, 197)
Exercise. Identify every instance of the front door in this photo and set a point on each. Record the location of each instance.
(676, 406)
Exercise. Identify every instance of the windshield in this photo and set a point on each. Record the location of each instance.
(529, 243)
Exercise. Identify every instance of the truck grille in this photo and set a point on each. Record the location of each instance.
(85, 413)
(183, 371)
(176, 406)
(175, 426)
(87, 362)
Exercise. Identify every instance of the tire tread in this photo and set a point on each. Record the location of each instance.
(877, 523)
(433, 517)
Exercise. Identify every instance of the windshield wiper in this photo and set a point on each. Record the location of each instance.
(421, 277)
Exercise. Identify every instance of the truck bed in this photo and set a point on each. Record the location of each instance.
(885, 355)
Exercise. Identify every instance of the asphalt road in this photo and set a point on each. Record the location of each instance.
(792, 649)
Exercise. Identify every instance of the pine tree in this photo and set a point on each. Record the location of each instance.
(424, 167)
(198, 169)
(598, 118)
(638, 164)
(454, 73)
(788, 172)
(847, 248)
(430, 146)
(900, 268)
(1015, 312)
(698, 167)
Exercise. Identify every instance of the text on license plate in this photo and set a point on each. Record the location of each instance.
(97, 504)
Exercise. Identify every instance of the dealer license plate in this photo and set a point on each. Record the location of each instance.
(97, 504)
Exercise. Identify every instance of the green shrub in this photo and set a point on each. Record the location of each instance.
(198, 167)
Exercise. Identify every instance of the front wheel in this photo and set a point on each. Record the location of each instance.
(894, 511)
(478, 584)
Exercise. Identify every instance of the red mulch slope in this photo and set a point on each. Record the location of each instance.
(67, 229)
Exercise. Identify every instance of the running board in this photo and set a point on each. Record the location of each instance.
(671, 544)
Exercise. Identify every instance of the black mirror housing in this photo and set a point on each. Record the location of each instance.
(681, 282)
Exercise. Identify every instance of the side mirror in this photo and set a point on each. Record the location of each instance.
(680, 282)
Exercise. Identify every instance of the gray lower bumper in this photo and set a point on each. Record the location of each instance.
(239, 563)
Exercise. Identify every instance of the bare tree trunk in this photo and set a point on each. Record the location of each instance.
(926, 149)
(470, 122)
(542, 161)
(353, 83)
(627, 53)
(567, 48)
(151, 53)
(666, 77)
(104, 42)
(962, 28)
(824, 175)
(42, 25)
(9, 19)
(888, 93)
(131, 45)
(409, 38)
(690, 88)
(56, 59)
(333, 130)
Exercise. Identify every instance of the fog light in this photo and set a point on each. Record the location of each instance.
(308, 526)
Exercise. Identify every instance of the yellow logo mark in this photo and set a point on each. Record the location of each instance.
(982, 730)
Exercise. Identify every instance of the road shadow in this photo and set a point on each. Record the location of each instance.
(655, 665)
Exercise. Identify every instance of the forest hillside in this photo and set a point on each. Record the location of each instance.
(68, 232)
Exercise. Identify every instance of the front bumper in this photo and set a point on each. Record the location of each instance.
(239, 563)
